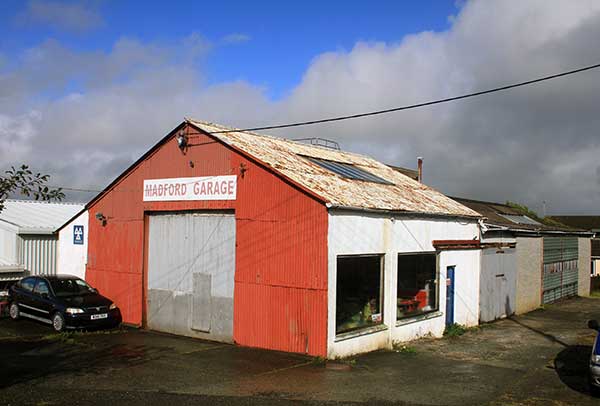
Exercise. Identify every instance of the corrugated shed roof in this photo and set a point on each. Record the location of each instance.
(502, 215)
(583, 222)
(38, 217)
(287, 158)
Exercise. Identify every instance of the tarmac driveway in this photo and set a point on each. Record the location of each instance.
(537, 359)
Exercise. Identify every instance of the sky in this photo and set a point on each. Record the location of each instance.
(87, 87)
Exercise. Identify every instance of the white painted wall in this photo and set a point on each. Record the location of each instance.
(72, 258)
(354, 233)
(8, 244)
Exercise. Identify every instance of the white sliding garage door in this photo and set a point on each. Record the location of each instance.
(191, 266)
(498, 283)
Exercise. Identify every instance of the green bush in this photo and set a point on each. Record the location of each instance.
(455, 330)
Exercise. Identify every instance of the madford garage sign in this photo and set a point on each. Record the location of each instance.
(203, 188)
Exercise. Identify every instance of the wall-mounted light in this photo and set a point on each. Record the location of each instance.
(182, 140)
(243, 169)
(101, 218)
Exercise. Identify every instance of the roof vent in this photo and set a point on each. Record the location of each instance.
(321, 142)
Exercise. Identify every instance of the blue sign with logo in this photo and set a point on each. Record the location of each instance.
(78, 235)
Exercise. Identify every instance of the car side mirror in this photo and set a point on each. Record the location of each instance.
(593, 324)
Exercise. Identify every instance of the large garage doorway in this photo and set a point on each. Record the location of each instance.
(191, 266)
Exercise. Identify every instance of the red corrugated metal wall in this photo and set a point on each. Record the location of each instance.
(280, 299)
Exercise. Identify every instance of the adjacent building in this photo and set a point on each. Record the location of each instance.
(526, 263)
(28, 242)
(271, 243)
(590, 223)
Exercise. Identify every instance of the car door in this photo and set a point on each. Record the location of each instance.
(41, 299)
(24, 295)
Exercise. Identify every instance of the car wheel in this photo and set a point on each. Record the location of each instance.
(58, 322)
(13, 311)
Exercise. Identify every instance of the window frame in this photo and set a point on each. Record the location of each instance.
(403, 319)
(368, 327)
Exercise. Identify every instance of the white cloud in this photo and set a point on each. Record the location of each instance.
(60, 15)
(527, 145)
(235, 38)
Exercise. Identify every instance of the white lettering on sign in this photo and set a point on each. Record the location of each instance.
(202, 188)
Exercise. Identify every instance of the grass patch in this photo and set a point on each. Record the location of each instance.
(405, 349)
(66, 337)
(319, 360)
(70, 336)
(595, 293)
(455, 330)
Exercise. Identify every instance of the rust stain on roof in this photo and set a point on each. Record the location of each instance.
(288, 158)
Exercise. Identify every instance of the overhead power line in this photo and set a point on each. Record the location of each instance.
(75, 189)
(414, 106)
(378, 112)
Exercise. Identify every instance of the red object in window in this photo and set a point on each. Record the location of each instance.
(412, 299)
(421, 298)
(408, 305)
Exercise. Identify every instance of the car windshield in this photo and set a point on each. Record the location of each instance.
(71, 287)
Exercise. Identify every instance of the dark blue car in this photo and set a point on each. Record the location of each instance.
(595, 359)
(63, 301)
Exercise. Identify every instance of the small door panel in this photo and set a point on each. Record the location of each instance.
(450, 295)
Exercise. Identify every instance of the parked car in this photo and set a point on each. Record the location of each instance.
(63, 301)
(595, 359)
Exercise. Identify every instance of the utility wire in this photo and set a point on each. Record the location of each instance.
(378, 112)
(413, 106)
(75, 189)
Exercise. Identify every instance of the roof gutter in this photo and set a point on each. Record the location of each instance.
(331, 207)
(35, 231)
(492, 227)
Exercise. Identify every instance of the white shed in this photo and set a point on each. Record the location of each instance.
(28, 242)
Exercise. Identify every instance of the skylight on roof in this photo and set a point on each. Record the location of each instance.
(348, 171)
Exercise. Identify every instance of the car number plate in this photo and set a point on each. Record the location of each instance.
(99, 316)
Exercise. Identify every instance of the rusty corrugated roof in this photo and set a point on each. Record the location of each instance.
(287, 157)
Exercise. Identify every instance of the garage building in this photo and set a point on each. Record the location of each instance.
(270, 243)
(525, 263)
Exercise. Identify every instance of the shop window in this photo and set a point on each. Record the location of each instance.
(359, 300)
(417, 285)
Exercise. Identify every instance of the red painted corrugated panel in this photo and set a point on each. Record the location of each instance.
(281, 235)
(280, 318)
(281, 244)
